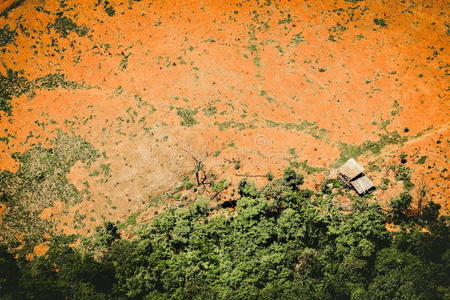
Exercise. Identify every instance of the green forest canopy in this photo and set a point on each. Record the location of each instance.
(279, 243)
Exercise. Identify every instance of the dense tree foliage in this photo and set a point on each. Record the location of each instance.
(278, 243)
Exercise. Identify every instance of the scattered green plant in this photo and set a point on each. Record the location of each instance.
(187, 116)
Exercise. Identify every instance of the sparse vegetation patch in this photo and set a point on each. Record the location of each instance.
(14, 84)
(39, 182)
(7, 36)
(310, 128)
(187, 116)
(64, 26)
(380, 22)
(389, 138)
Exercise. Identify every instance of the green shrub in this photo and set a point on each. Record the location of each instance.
(64, 26)
(247, 188)
(291, 247)
(220, 186)
(6, 36)
(292, 178)
(187, 116)
(329, 184)
(187, 183)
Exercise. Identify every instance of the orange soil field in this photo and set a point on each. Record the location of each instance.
(263, 82)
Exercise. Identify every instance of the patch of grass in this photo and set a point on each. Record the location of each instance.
(233, 124)
(348, 151)
(421, 160)
(54, 81)
(304, 165)
(297, 39)
(403, 173)
(336, 32)
(78, 220)
(118, 90)
(64, 26)
(12, 85)
(94, 173)
(257, 61)
(292, 152)
(375, 166)
(210, 110)
(132, 219)
(187, 116)
(396, 108)
(110, 11)
(142, 103)
(310, 128)
(123, 65)
(286, 20)
(384, 184)
(187, 183)
(252, 47)
(37, 184)
(7, 36)
(106, 169)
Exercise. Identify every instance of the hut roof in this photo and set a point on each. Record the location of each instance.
(362, 184)
(351, 169)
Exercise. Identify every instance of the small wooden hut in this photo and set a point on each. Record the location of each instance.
(352, 174)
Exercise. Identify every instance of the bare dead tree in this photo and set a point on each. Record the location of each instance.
(202, 176)
(422, 190)
(216, 194)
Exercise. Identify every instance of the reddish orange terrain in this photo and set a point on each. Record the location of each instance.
(105, 105)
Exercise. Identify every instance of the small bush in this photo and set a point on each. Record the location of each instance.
(187, 116)
(220, 186)
(292, 178)
(403, 202)
(380, 22)
(6, 36)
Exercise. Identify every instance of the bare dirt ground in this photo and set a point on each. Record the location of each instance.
(256, 84)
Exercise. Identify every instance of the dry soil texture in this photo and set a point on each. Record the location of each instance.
(102, 101)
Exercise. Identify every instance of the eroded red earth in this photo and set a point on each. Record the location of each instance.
(264, 82)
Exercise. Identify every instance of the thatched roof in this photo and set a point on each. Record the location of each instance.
(362, 184)
(351, 169)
